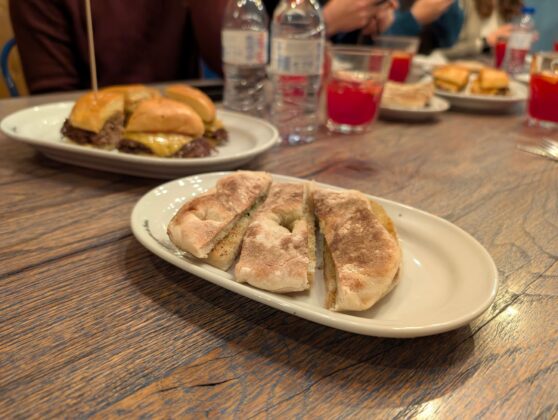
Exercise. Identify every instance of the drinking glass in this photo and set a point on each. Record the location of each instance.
(403, 49)
(355, 81)
(500, 51)
(543, 90)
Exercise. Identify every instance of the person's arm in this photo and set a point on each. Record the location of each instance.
(463, 48)
(446, 28)
(469, 42)
(44, 40)
(341, 16)
(404, 24)
(422, 12)
(474, 45)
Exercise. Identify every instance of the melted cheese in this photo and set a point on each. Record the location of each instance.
(160, 144)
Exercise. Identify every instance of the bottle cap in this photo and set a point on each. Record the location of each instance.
(527, 10)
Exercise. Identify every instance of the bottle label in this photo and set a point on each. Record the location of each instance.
(244, 47)
(520, 41)
(297, 56)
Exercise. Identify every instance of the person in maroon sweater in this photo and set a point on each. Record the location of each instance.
(136, 41)
(140, 41)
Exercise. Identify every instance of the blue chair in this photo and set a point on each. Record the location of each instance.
(12, 88)
(207, 73)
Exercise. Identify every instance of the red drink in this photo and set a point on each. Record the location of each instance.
(353, 102)
(499, 52)
(555, 45)
(400, 66)
(543, 101)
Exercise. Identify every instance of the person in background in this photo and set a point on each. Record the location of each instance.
(142, 41)
(136, 41)
(344, 16)
(485, 22)
(546, 18)
(437, 22)
(357, 21)
(350, 16)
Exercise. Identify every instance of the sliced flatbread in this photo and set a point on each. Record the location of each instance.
(278, 251)
(361, 252)
(205, 221)
(407, 95)
(225, 252)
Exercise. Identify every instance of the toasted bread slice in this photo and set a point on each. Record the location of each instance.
(493, 79)
(451, 77)
(361, 252)
(278, 251)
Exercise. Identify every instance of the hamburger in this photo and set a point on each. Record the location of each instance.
(165, 128)
(451, 78)
(133, 95)
(491, 82)
(97, 119)
(204, 106)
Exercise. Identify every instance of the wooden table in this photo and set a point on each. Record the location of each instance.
(93, 324)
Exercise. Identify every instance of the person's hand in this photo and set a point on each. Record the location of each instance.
(503, 31)
(382, 20)
(427, 11)
(349, 15)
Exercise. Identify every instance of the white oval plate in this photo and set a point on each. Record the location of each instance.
(472, 102)
(40, 127)
(446, 280)
(435, 108)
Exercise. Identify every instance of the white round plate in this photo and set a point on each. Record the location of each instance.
(465, 100)
(40, 127)
(434, 108)
(447, 278)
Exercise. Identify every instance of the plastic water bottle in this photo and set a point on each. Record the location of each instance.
(297, 54)
(245, 54)
(520, 41)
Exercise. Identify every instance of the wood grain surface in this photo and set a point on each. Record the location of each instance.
(93, 325)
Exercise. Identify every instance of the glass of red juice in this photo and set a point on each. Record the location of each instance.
(543, 90)
(400, 66)
(500, 52)
(403, 49)
(354, 86)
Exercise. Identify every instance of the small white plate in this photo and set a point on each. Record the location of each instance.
(434, 109)
(40, 127)
(447, 278)
(465, 100)
(523, 78)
